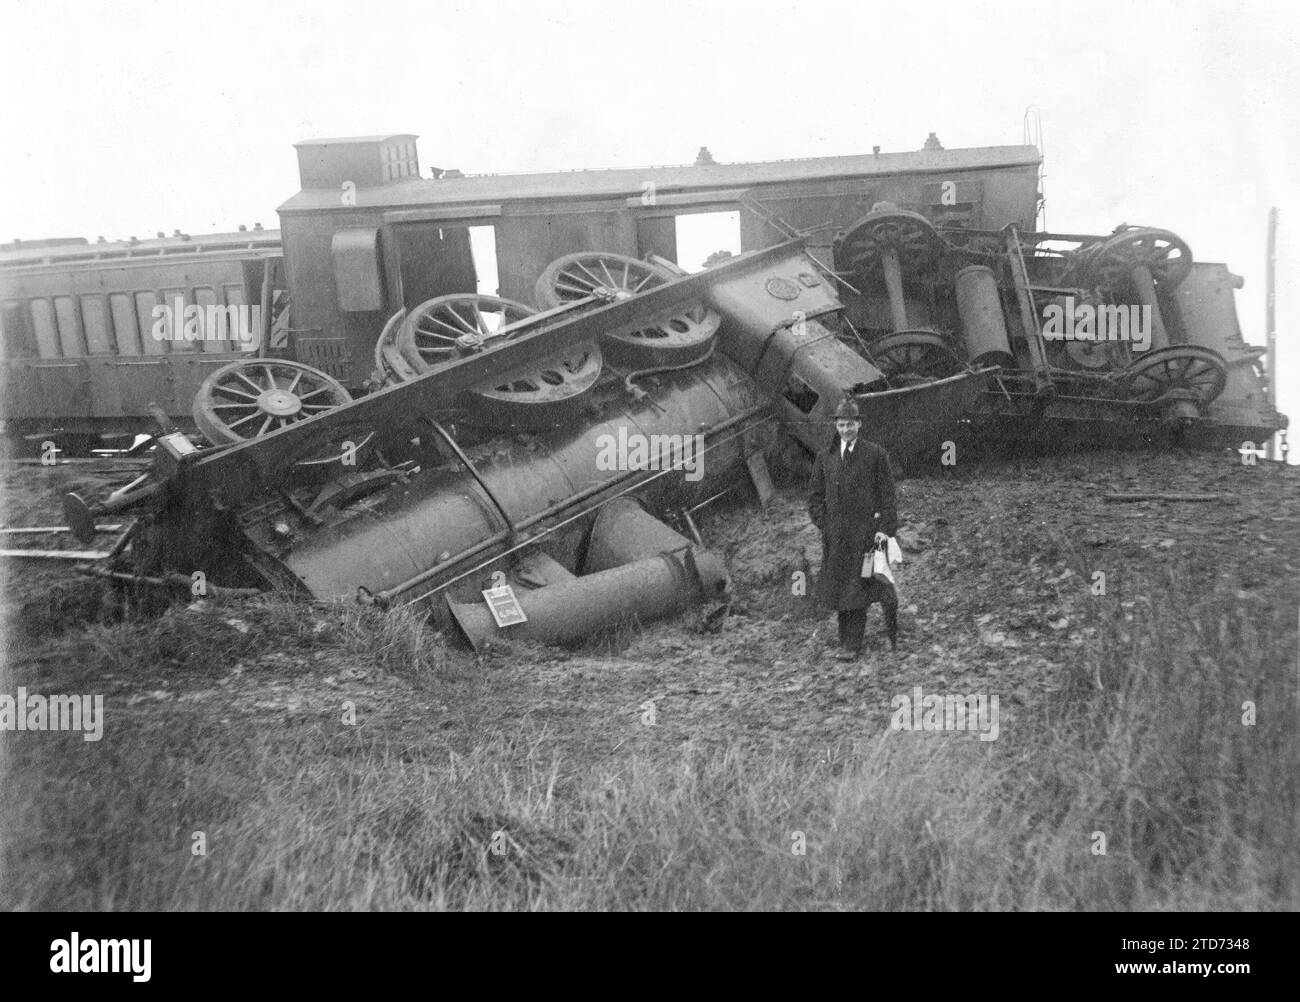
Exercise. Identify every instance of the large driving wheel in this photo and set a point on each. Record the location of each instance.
(1164, 254)
(887, 228)
(1181, 370)
(915, 356)
(609, 277)
(390, 365)
(598, 274)
(537, 396)
(448, 328)
(257, 396)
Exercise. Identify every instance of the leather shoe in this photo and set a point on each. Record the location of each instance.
(844, 654)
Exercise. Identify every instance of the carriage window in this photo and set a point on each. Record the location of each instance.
(144, 306)
(126, 331)
(65, 312)
(705, 237)
(94, 316)
(356, 269)
(483, 247)
(436, 260)
(47, 334)
(16, 339)
(172, 298)
(204, 297)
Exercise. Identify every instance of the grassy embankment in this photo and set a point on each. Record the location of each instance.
(1144, 742)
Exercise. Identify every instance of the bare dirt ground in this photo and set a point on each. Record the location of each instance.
(993, 594)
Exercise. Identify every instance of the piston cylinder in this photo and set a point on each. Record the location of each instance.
(625, 532)
(980, 307)
(573, 610)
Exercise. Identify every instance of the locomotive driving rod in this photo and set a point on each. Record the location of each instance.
(236, 474)
(1043, 385)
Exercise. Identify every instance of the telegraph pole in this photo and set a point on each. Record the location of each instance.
(1270, 326)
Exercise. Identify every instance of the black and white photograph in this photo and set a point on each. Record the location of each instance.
(810, 456)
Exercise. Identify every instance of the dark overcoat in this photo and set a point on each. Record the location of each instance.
(850, 502)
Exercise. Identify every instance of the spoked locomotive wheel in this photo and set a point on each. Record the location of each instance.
(1164, 254)
(886, 229)
(257, 396)
(1182, 370)
(390, 365)
(448, 328)
(597, 273)
(609, 277)
(915, 356)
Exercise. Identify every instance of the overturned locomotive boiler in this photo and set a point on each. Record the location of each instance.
(509, 473)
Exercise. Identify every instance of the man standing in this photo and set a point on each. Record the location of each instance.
(852, 504)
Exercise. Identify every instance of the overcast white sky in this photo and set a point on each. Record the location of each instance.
(137, 116)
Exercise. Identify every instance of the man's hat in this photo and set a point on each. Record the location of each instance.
(848, 409)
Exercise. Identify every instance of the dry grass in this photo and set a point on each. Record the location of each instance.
(1145, 743)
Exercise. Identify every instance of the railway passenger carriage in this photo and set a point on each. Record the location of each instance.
(77, 326)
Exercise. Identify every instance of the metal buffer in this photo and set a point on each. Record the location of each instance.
(881, 242)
